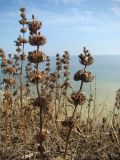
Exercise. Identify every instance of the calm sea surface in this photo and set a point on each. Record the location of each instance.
(107, 72)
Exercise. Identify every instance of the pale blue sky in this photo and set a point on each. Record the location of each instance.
(67, 24)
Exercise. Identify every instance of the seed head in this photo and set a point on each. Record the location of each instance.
(78, 98)
(36, 77)
(85, 58)
(36, 57)
(34, 26)
(83, 76)
(37, 40)
(2, 54)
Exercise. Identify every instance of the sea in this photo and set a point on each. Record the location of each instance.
(106, 70)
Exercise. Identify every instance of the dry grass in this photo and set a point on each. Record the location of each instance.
(39, 114)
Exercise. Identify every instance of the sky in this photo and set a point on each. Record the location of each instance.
(67, 24)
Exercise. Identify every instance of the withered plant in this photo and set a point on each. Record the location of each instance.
(39, 78)
(78, 98)
(39, 107)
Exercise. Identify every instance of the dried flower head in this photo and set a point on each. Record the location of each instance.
(22, 40)
(10, 70)
(18, 49)
(23, 30)
(10, 81)
(36, 57)
(10, 61)
(34, 26)
(66, 55)
(22, 9)
(54, 77)
(4, 62)
(85, 58)
(23, 21)
(2, 54)
(41, 101)
(7, 94)
(36, 77)
(66, 66)
(37, 40)
(22, 56)
(16, 57)
(83, 76)
(78, 98)
(22, 14)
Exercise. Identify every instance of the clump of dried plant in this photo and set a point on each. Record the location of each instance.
(41, 114)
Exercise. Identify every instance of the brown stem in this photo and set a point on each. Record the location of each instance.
(94, 106)
(82, 81)
(68, 136)
(40, 111)
(80, 112)
(6, 125)
(67, 142)
(21, 103)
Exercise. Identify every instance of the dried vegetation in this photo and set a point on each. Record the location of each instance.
(35, 122)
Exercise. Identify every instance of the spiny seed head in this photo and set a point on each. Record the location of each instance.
(41, 101)
(22, 14)
(17, 43)
(48, 64)
(65, 61)
(34, 26)
(23, 21)
(2, 54)
(36, 77)
(48, 69)
(22, 9)
(7, 94)
(57, 55)
(36, 57)
(22, 56)
(23, 40)
(10, 61)
(54, 76)
(18, 49)
(59, 67)
(83, 76)
(23, 30)
(66, 55)
(78, 98)
(4, 62)
(10, 70)
(66, 66)
(37, 40)
(16, 57)
(85, 58)
(10, 81)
